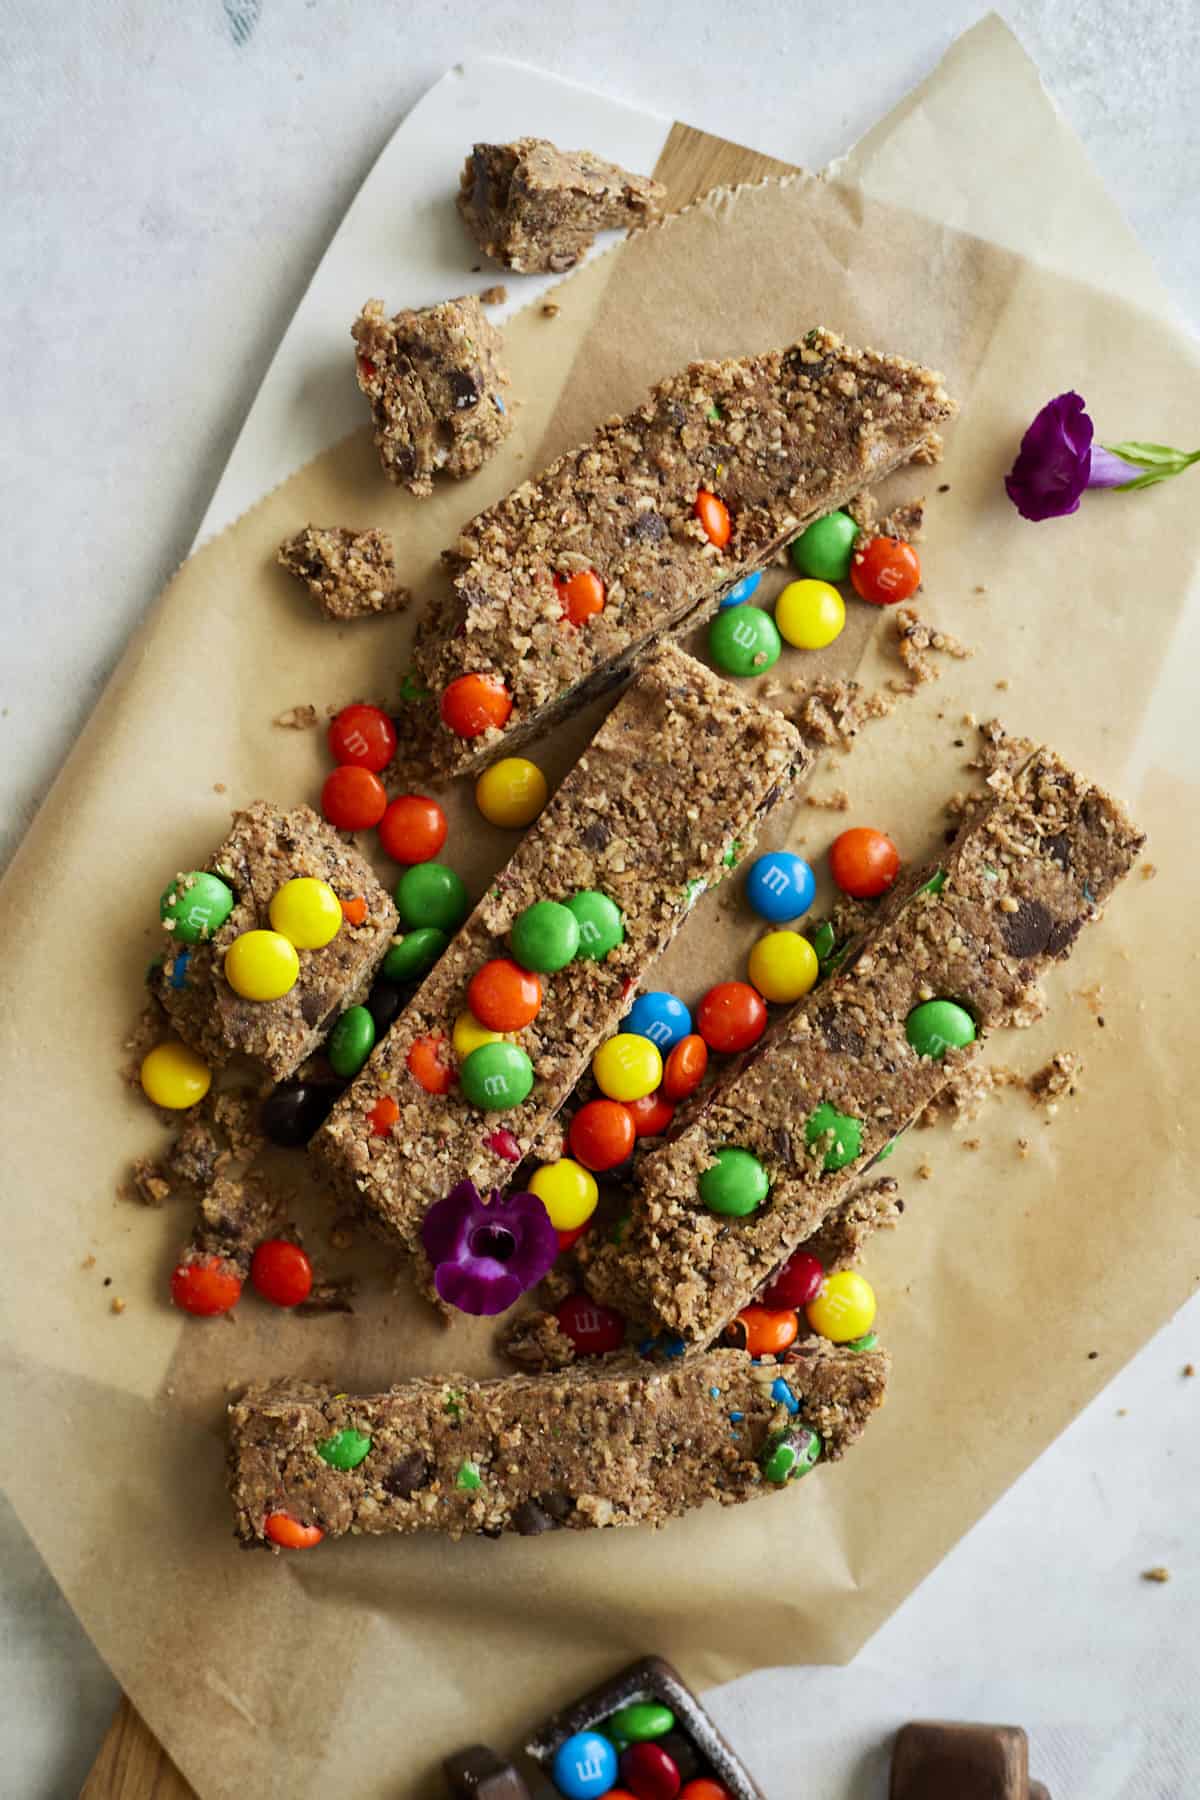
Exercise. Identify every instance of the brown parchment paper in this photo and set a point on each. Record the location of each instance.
(359, 1665)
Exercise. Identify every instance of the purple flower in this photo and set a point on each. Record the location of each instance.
(1058, 460)
(485, 1255)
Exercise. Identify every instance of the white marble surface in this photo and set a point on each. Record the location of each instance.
(172, 177)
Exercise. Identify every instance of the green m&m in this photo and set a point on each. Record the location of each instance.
(744, 640)
(345, 1449)
(643, 1720)
(736, 1184)
(545, 937)
(430, 894)
(351, 1042)
(601, 927)
(415, 954)
(195, 906)
(825, 549)
(496, 1076)
(841, 1132)
(790, 1454)
(937, 1026)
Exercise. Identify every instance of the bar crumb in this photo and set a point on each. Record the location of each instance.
(495, 295)
(296, 718)
(117, 1304)
(1158, 1573)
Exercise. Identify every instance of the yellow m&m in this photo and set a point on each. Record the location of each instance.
(567, 1191)
(261, 965)
(810, 614)
(174, 1076)
(469, 1034)
(627, 1067)
(511, 793)
(783, 965)
(307, 913)
(844, 1308)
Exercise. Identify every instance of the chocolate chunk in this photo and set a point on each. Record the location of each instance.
(1027, 931)
(477, 1773)
(559, 1506)
(596, 834)
(1062, 935)
(933, 1761)
(781, 1137)
(1058, 848)
(406, 1476)
(839, 1036)
(530, 1519)
(463, 388)
(648, 527)
(312, 1007)
(384, 1003)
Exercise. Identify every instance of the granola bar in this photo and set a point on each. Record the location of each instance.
(433, 378)
(1022, 878)
(534, 208)
(266, 848)
(778, 439)
(534, 1453)
(350, 574)
(668, 794)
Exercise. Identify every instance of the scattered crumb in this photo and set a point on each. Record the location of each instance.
(944, 487)
(1149, 871)
(979, 590)
(1158, 1574)
(108, 1281)
(1002, 684)
(89, 1262)
(838, 800)
(1092, 1355)
(904, 522)
(1092, 994)
(1100, 1019)
(219, 787)
(925, 1171)
(972, 1143)
(296, 718)
(550, 309)
(1059, 1076)
(1122, 1412)
(150, 1185)
(1189, 1369)
(1022, 1147)
(117, 1304)
(494, 296)
(828, 714)
(328, 1297)
(914, 642)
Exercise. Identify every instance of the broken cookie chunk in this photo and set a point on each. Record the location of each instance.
(350, 574)
(536, 208)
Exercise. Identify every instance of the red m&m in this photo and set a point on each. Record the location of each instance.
(602, 1134)
(731, 1016)
(206, 1287)
(413, 829)
(281, 1272)
(362, 735)
(798, 1282)
(353, 798)
(592, 1328)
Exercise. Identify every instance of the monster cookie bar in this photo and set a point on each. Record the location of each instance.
(433, 378)
(278, 934)
(533, 1453)
(671, 789)
(559, 588)
(350, 574)
(775, 1145)
(535, 208)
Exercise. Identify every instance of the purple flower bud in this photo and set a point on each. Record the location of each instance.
(485, 1255)
(1110, 470)
(1054, 461)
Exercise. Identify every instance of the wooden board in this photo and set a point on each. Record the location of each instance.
(132, 1764)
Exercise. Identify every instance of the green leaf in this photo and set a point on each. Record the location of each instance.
(1159, 461)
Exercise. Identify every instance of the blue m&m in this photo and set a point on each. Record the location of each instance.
(585, 1766)
(661, 1017)
(742, 591)
(780, 886)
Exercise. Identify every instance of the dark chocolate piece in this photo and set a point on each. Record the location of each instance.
(937, 1761)
(477, 1773)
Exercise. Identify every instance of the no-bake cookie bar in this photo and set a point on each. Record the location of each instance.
(559, 588)
(1009, 899)
(534, 208)
(350, 574)
(265, 849)
(667, 796)
(433, 378)
(535, 1453)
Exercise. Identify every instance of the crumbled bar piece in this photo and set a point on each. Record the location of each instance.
(829, 714)
(1050, 840)
(296, 718)
(265, 848)
(682, 769)
(915, 640)
(531, 1453)
(536, 1340)
(837, 800)
(235, 1214)
(1056, 1077)
(775, 440)
(328, 1297)
(535, 208)
(350, 574)
(904, 522)
(150, 1184)
(494, 296)
(433, 378)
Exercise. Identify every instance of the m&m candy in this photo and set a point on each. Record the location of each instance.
(659, 1016)
(504, 996)
(810, 614)
(651, 1115)
(430, 894)
(469, 1034)
(172, 1075)
(763, 1330)
(584, 1766)
(937, 1026)
(289, 1533)
(474, 704)
(601, 927)
(713, 515)
(736, 1184)
(780, 886)
(568, 1192)
(844, 1309)
(627, 1067)
(364, 736)
(345, 1449)
(413, 829)
(650, 1772)
(885, 570)
(351, 1042)
(383, 1115)
(742, 592)
(295, 1110)
(684, 1068)
(545, 936)
(385, 1002)
(731, 1016)
(281, 1272)
(353, 798)
(602, 1134)
(783, 966)
(206, 1286)
(414, 954)
(195, 906)
(703, 1788)
(429, 1065)
(306, 912)
(641, 1720)
(790, 1454)
(592, 1328)
(797, 1282)
(497, 1076)
(744, 641)
(581, 596)
(840, 1133)
(825, 549)
(863, 862)
(262, 965)
(511, 793)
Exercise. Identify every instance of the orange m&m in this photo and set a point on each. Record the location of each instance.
(762, 1331)
(713, 515)
(429, 1064)
(474, 704)
(504, 996)
(289, 1533)
(581, 596)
